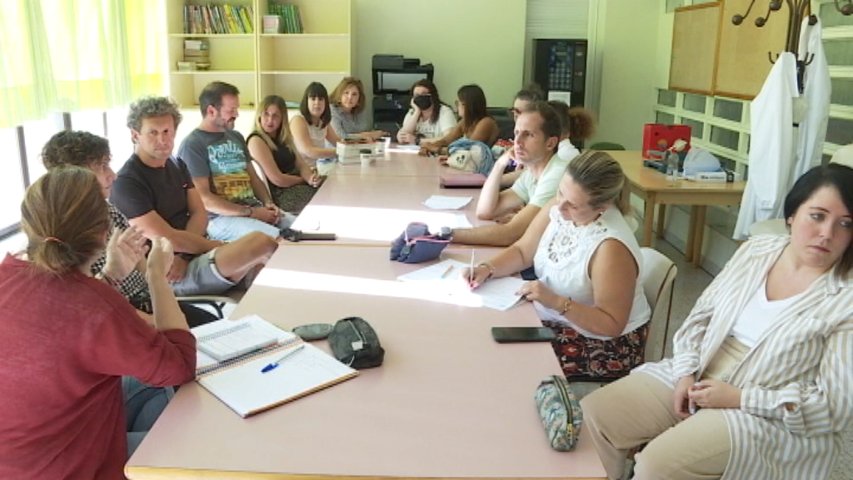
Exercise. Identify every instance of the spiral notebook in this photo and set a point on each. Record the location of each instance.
(243, 383)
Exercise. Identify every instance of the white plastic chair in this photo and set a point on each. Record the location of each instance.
(657, 286)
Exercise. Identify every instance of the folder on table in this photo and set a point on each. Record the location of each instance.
(242, 385)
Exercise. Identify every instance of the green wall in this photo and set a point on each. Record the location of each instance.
(468, 41)
(634, 44)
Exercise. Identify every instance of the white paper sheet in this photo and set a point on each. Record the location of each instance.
(445, 202)
(444, 282)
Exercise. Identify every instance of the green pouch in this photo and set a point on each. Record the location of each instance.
(560, 412)
(355, 343)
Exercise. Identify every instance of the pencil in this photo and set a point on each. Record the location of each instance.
(447, 271)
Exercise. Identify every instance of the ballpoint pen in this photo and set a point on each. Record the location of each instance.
(471, 268)
(273, 365)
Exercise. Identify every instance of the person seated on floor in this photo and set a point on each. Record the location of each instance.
(537, 133)
(160, 199)
(314, 138)
(68, 338)
(291, 180)
(428, 118)
(216, 156)
(86, 150)
(760, 381)
(475, 123)
(589, 269)
(348, 117)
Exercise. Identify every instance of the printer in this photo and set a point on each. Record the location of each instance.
(393, 77)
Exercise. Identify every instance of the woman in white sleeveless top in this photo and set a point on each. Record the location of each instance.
(589, 270)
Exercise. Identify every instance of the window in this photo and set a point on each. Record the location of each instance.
(11, 182)
(838, 47)
(36, 134)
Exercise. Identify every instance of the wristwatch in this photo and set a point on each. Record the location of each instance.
(246, 212)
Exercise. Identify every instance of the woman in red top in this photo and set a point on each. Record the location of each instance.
(67, 338)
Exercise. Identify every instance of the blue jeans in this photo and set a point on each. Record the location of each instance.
(143, 405)
(229, 229)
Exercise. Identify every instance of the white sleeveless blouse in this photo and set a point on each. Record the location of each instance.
(562, 263)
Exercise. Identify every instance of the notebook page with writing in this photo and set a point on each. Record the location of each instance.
(252, 334)
(444, 282)
(247, 390)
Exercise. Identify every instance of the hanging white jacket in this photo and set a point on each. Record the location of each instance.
(771, 152)
(816, 93)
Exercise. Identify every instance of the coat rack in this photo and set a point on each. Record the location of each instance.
(798, 10)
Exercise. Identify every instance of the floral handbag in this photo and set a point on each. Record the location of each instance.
(560, 412)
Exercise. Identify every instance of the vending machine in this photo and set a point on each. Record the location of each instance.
(559, 68)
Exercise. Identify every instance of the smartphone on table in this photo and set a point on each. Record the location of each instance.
(522, 334)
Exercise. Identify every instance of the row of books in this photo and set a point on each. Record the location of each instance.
(213, 19)
(292, 21)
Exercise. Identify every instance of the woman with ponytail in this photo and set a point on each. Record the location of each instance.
(68, 338)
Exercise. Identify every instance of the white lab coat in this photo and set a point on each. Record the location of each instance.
(771, 152)
(816, 95)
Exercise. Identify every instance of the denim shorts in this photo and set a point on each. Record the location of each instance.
(229, 229)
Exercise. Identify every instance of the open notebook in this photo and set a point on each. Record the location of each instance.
(250, 344)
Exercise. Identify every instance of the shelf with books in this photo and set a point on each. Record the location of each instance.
(261, 64)
(288, 62)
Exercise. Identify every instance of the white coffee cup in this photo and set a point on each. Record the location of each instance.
(366, 159)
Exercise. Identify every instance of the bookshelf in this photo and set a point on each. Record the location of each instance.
(261, 64)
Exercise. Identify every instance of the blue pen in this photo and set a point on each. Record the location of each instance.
(273, 365)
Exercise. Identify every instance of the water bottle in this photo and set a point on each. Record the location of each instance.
(671, 166)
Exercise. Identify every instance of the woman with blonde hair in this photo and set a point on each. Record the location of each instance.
(291, 180)
(589, 269)
(348, 117)
(68, 338)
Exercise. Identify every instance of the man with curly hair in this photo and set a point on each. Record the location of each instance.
(156, 192)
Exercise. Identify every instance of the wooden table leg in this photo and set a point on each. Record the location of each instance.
(688, 246)
(698, 235)
(648, 221)
(661, 219)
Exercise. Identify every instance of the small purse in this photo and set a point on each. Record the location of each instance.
(355, 343)
(560, 412)
(416, 244)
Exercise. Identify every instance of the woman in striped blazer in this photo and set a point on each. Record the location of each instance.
(761, 380)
